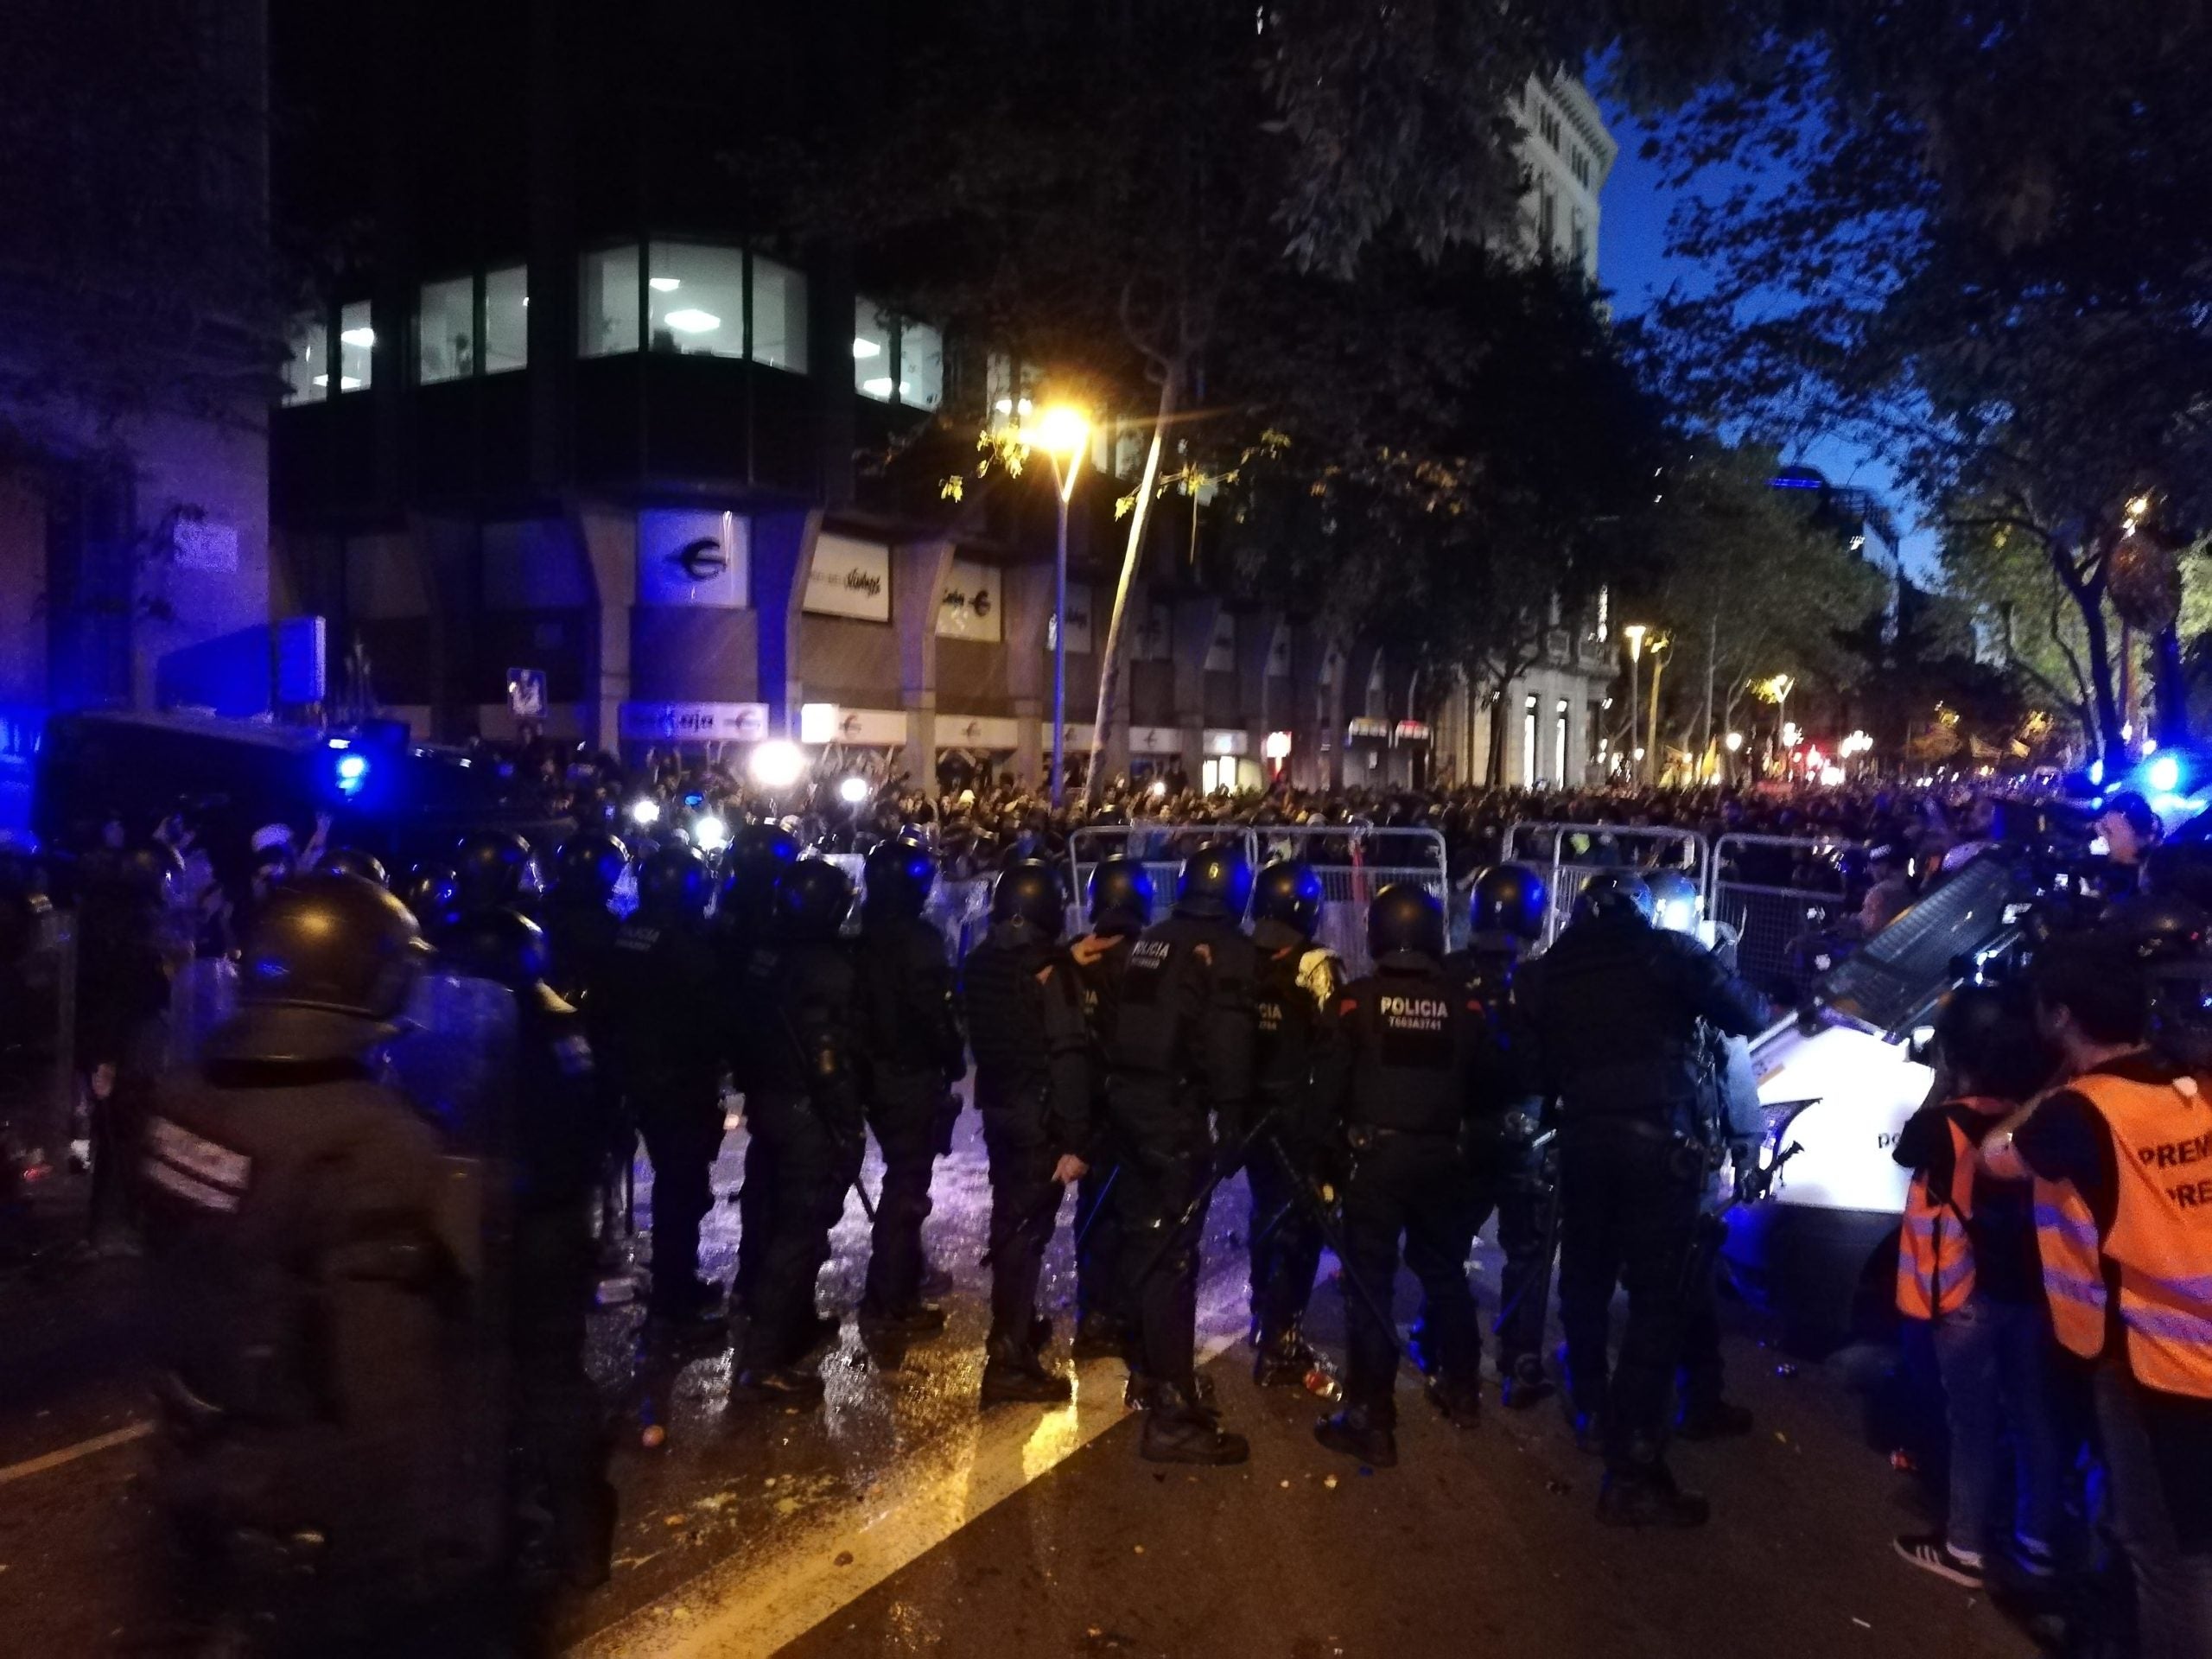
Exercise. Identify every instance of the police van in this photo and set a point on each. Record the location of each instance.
(1838, 1081)
(383, 794)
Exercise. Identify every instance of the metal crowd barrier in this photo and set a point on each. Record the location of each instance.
(1778, 891)
(1568, 854)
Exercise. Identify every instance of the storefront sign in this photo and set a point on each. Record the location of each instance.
(689, 557)
(1224, 740)
(830, 722)
(1221, 652)
(694, 722)
(1277, 746)
(849, 578)
(1079, 621)
(1410, 731)
(977, 732)
(1155, 740)
(972, 606)
(1361, 729)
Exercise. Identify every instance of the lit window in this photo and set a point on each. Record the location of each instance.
(1129, 452)
(506, 320)
(1528, 742)
(307, 379)
(445, 331)
(873, 329)
(698, 299)
(607, 302)
(778, 316)
(357, 344)
(921, 365)
(1559, 741)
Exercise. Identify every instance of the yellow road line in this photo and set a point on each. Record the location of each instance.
(123, 1436)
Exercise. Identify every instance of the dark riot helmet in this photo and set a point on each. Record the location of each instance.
(812, 900)
(433, 894)
(1675, 901)
(1121, 894)
(494, 867)
(1214, 881)
(591, 862)
(2155, 928)
(754, 863)
(1287, 891)
(1614, 893)
(1029, 892)
(673, 882)
(1508, 899)
(899, 876)
(334, 945)
(352, 861)
(504, 946)
(1405, 918)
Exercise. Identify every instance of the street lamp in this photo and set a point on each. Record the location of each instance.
(1061, 432)
(1634, 633)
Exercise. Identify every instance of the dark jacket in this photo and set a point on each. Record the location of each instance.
(1297, 1049)
(1183, 1043)
(1418, 1050)
(805, 1039)
(666, 1019)
(1025, 1017)
(907, 997)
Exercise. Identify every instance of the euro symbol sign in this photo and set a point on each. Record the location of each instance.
(700, 560)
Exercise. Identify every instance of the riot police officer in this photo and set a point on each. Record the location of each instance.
(494, 869)
(311, 1295)
(1033, 1088)
(1615, 1004)
(1120, 902)
(804, 1076)
(744, 906)
(578, 913)
(432, 894)
(1294, 1084)
(352, 861)
(555, 1136)
(1507, 913)
(1181, 1054)
(916, 1054)
(1417, 1048)
(666, 1032)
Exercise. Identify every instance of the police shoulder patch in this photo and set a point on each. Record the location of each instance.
(203, 1173)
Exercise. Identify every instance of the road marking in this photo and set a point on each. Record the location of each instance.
(123, 1436)
(755, 1603)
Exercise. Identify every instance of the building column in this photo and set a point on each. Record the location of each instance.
(1256, 638)
(1029, 595)
(610, 540)
(1192, 632)
(1315, 718)
(781, 555)
(918, 572)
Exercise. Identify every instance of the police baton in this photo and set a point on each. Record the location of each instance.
(1090, 1225)
(1712, 1230)
(1325, 1219)
(1223, 1168)
(1045, 1213)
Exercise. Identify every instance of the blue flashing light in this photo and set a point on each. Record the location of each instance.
(2097, 771)
(2163, 774)
(1797, 483)
(353, 770)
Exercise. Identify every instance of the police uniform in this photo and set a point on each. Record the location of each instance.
(1099, 960)
(1616, 1004)
(1295, 1080)
(1181, 1057)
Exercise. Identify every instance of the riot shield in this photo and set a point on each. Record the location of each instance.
(456, 1060)
(203, 995)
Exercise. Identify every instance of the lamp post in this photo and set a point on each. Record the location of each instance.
(1634, 633)
(1062, 431)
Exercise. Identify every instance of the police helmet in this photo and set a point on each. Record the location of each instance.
(1121, 893)
(1508, 899)
(1214, 881)
(673, 882)
(1405, 918)
(812, 900)
(494, 867)
(352, 861)
(432, 893)
(1614, 893)
(1028, 891)
(899, 876)
(1675, 901)
(1287, 891)
(591, 863)
(2156, 927)
(331, 945)
(757, 857)
(501, 945)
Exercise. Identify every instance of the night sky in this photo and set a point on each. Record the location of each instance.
(1634, 266)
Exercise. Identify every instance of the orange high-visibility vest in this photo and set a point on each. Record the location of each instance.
(1936, 1271)
(2160, 1241)
(2073, 1266)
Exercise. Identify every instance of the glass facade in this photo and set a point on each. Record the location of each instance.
(506, 320)
(445, 331)
(696, 296)
(874, 332)
(921, 365)
(607, 302)
(307, 377)
(357, 343)
(778, 316)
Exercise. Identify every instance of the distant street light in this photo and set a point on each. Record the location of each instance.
(1634, 633)
(1063, 432)
(1735, 742)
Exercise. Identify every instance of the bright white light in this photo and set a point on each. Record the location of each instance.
(1159, 788)
(2164, 774)
(2097, 771)
(1790, 735)
(866, 347)
(1061, 430)
(692, 320)
(1735, 741)
(1022, 406)
(709, 832)
(353, 767)
(346, 382)
(853, 790)
(1831, 776)
(361, 337)
(1277, 747)
(663, 285)
(878, 387)
(1005, 405)
(2149, 746)
(644, 811)
(776, 765)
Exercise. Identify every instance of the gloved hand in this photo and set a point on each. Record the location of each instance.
(1751, 1181)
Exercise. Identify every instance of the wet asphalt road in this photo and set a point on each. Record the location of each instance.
(901, 1520)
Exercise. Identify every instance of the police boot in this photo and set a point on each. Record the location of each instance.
(935, 1281)
(1283, 1359)
(1713, 1420)
(782, 1386)
(1643, 1494)
(1177, 1429)
(1524, 1384)
(1098, 1335)
(1460, 1399)
(685, 1302)
(1012, 1372)
(921, 1319)
(1357, 1434)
